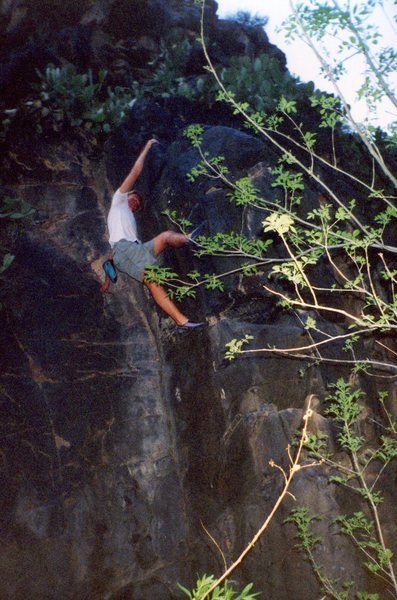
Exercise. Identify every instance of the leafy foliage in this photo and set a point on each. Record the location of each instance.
(169, 68)
(349, 231)
(66, 97)
(336, 225)
(225, 591)
(262, 80)
(354, 29)
(235, 346)
(364, 530)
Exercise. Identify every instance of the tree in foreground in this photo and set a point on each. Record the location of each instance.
(351, 233)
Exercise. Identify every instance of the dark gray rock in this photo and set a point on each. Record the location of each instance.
(121, 441)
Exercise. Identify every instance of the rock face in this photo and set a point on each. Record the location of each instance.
(122, 442)
(118, 35)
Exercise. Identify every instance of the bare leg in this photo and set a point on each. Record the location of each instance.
(161, 298)
(169, 238)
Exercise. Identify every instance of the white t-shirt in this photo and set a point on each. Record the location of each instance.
(121, 220)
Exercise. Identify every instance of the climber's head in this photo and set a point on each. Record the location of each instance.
(134, 201)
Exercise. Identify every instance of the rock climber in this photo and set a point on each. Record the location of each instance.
(131, 256)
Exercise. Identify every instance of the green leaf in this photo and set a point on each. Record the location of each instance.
(244, 192)
(7, 262)
(235, 346)
(212, 282)
(249, 269)
(185, 591)
(310, 323)
(287, 106)
(194, 133)
(280, 222)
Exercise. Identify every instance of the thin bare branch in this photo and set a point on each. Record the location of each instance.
(294, 468)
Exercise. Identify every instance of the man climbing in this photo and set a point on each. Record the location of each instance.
(129, 254)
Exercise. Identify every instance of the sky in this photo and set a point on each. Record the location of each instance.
(301, 60)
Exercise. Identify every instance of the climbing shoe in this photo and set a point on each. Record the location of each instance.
(189, 326)
(195, 233)
(110, 270)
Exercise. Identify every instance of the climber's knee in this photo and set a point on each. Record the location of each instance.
(168, 238)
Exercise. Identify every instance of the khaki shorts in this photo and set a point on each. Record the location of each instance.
(133, 258)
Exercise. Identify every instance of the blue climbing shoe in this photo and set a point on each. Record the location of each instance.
(193, 235)
(190, 326)
(110, 270)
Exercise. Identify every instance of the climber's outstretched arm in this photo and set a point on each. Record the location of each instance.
(137, 167)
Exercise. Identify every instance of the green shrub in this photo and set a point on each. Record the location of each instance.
(167, 71)
(223, 592)
(363, 526)
(170, 65)
(262, 80)
(66, 97)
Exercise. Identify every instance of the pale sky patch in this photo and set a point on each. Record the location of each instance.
(301, 61)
